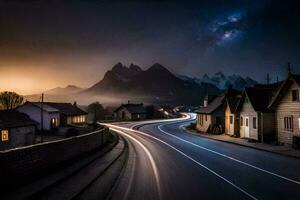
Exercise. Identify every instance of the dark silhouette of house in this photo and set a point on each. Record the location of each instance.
(130, 111)
(16, 129)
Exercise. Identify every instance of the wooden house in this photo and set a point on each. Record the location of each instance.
(130, 111)
(257, 121)
(286, 104)
(232, 116)
(210, 117)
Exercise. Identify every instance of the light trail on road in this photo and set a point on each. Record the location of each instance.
(183, 154)
(150, 157)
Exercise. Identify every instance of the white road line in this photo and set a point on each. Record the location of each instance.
(226, 156)
(185, 155)
(150, 157)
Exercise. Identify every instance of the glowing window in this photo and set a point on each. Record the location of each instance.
(4, 135)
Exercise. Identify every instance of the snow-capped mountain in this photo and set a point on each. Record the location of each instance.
(222, 81)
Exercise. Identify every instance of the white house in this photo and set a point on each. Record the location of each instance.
(51, 116)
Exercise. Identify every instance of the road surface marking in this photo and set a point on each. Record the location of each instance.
(185, 155)
(150, 157)
(226, 156)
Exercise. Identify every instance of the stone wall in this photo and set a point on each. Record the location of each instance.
(28, 163)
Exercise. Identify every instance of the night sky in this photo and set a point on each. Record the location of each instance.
(48, 44)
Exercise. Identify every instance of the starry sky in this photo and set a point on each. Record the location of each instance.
(44, 44)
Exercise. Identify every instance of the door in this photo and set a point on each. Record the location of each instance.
(231, 125)
(247, 134)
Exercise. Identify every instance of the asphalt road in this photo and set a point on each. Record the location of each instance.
(166, 162)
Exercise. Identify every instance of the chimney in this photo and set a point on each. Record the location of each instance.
(75, 103)
(205, 103)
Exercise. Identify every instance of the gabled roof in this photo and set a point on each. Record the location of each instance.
(233, 102)
(133, 108)
(216, 103)
(46, 107)
(66, 108)
(259, 98)
(13, 118)
(284, 88)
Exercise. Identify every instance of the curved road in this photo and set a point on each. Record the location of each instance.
(166, 162)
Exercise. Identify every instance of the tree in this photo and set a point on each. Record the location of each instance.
(97, 111)
(10, 100)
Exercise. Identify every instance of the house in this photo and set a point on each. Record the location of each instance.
(210, 117)
(130, 111)
(232, 125)
(286, 104)
(16, 129)
(69, 113)
(257, 120)
(54, 114)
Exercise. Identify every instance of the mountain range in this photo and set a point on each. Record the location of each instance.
(70, 89)
(156, 84)
(153, 85)
(222, 81)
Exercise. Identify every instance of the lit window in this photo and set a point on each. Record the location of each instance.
(4, 135)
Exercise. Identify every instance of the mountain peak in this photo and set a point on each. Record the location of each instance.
(135, 68)
(158, 67)
(72, 87)
(119, 66)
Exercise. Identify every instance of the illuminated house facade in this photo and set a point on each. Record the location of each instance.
(210, 117)
(16, 129)
(286, 104)
(257, 120)
(54, 114)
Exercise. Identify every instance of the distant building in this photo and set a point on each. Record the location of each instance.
(54, 114)
(257, 121)
(16, 129)
(130, 112)
(210, 117)
(286, 104)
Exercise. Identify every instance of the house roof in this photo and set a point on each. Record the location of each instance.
(46, 107)
(66, 108)
(281, 91)
(259, 98)
(13, 118)
(213, 105)
(233, 102)
(133, 108)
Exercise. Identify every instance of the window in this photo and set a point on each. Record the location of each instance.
(4, 135)
(242, 121)
(295, 95)
(254, 122)
(231, 119)
(205, 117)
(247, 122)
(288, 123)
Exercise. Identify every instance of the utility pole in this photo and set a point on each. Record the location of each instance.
(268, 79)
(42, 119)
